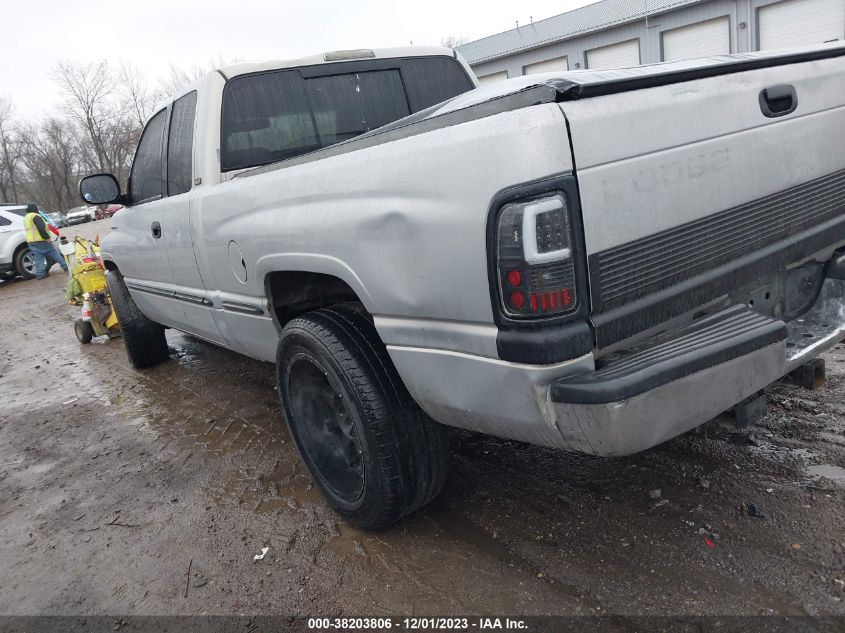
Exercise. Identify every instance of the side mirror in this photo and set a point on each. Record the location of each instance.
(99, 189)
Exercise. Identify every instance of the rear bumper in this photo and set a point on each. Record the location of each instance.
(651, 410)
(623, 427)
(666, 387)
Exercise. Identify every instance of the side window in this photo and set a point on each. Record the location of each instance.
(4, 221)
(145, 177)
(265, 118)
(180, 145)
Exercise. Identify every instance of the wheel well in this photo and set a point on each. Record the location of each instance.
(18, 249)
(293, 293)
(109, 265)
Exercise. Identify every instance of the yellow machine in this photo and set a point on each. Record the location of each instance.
(87, 287)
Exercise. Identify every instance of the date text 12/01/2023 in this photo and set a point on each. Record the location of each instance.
(417, 624)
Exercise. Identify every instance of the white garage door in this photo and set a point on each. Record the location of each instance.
(800, 22)
(489, 79)
(547, 66)
(701, 39)
(620, 55)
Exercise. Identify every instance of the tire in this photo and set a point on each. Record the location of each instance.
(25, 263)
(144, 340)
(83, 330)
(388, 458)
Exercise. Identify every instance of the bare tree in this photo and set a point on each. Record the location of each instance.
(103, 111)
(180, 78)
(91, 100)
(9, 152)
(50, 153)
(139, 99)
(452, 41)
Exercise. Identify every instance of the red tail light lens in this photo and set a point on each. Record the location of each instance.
(535, 261)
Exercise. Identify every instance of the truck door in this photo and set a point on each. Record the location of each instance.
(195, 307)
(135, 242)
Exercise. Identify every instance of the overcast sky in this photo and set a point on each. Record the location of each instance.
(151, 34)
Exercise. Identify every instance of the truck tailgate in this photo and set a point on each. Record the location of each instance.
(688, 189)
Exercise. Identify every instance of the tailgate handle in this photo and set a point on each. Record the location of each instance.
(778, 100)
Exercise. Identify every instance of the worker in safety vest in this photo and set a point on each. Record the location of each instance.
(41, 243)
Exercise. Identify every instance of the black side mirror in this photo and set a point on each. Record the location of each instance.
(99, 189)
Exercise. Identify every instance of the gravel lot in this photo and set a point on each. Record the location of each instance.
(114, 483)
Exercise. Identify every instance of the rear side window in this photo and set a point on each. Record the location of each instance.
(4, 221)
(277, 115)
(180, 144)
(145, 177)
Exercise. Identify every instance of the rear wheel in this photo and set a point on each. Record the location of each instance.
(374, 455)
(83, 330)
(144, 339)
(25, 263)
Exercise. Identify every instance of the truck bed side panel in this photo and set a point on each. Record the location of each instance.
(383, 219)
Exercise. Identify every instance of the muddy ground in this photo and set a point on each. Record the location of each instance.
(114, 483)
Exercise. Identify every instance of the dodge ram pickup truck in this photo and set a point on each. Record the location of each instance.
(596, 261)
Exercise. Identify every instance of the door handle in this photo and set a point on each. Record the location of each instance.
(156, 229)
(778, 100)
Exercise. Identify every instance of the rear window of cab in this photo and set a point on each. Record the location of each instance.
(276, 115)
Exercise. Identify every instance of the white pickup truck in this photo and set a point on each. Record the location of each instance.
(593, 261)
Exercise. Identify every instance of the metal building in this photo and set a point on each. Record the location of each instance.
(619, 33)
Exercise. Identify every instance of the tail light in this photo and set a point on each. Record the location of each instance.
(535, 263)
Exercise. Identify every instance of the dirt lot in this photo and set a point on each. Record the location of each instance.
(114, 483)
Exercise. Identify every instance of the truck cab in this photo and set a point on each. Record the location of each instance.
(234, 120)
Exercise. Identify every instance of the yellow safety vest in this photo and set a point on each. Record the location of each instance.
(32, 234)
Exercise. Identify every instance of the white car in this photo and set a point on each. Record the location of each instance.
(78, 215)
(15, 256)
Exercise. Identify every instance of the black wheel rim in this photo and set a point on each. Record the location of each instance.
(325, 428)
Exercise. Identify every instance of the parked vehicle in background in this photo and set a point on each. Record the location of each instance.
(78, 215)
(59, 219)
(454, 266)
(111, 209)
(15, 256)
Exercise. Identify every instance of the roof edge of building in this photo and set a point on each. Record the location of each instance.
(554, 40)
